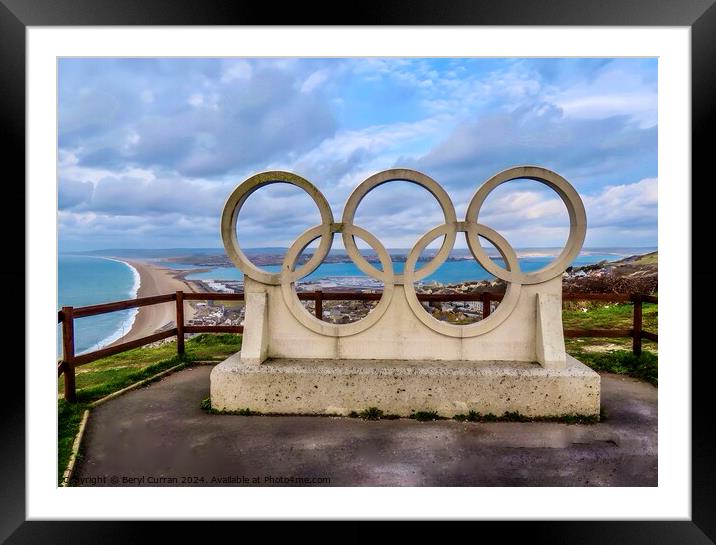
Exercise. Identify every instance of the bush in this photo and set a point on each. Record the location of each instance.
(610, 283)
(424, 416)
(371, 413)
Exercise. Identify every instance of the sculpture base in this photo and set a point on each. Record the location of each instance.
(404, 387)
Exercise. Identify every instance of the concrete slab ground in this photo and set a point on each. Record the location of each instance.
(159, 436)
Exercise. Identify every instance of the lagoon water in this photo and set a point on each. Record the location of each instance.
(449, 273)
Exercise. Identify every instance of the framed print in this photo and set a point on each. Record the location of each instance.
(146, 129)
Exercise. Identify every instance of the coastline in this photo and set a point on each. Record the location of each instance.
(127, 324)
(154, 281)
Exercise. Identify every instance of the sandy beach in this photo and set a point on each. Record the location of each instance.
(155, 281)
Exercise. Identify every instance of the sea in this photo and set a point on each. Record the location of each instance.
(92, 278)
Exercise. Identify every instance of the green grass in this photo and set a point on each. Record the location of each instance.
(108, 375)
(371, 413)
(612, 354)
(473, 416)
(598, 315)
(425, 416)
(69, 416)
(623, 362)
(648, 259)
(206, 406)
(217, 346)
(103, 382)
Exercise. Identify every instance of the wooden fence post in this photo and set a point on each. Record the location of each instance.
(180, 323)
(485, 304)
(68, 353)
(319, 304)
(638, 325)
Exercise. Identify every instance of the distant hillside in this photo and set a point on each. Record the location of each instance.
(633, 274)
(646, 259)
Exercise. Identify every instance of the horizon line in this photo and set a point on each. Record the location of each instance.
(286, 248)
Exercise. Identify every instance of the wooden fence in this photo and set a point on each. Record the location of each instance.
(67, 315)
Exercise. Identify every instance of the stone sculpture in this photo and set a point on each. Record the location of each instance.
(513, 360)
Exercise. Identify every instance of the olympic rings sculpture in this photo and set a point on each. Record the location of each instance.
(511, 273)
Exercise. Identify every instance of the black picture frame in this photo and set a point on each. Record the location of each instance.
(699, 15)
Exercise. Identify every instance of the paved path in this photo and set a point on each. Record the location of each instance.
(158, 435)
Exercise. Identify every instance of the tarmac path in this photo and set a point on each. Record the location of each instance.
(159, 436)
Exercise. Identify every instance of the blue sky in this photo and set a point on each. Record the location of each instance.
(149, 149)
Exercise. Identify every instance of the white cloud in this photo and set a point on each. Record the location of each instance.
(624, 205)
(617, 90)
(314, 81)
(196, 100)
(237, 70)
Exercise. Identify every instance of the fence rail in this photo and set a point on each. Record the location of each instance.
(67, 315)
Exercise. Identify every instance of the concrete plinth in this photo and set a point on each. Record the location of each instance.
(305, 386)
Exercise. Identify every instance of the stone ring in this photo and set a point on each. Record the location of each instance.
(511, 273)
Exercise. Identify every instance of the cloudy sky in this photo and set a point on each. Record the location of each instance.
(149, 149)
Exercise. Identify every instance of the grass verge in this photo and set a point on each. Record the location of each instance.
(69, 416)
(622, 362)
(612, 354)
(601, 315)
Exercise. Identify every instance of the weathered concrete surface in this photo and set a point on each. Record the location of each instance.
(394, 331)
(549, 334)
(254, 346)
(404, 387)
(160, 433)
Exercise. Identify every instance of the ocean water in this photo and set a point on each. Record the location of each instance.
(86, 280)
(462, 270)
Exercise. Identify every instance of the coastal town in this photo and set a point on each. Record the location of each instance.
(216, 312)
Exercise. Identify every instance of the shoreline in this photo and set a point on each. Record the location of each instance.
(127, 324)
(154, 281)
